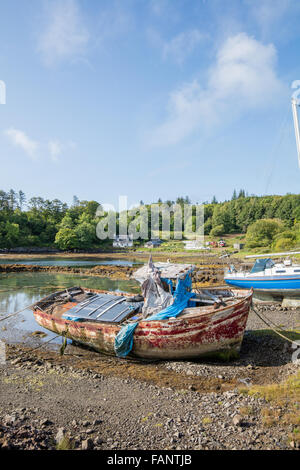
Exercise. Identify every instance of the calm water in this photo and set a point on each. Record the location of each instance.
(22, 289)
(73, 262)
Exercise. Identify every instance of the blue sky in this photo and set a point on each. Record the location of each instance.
(148, 98)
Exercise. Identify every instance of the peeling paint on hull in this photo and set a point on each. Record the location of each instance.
(204, 333)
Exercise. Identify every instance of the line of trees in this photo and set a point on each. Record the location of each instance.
(44, 223)
(236, 215)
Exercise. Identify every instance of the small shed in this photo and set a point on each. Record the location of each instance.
(238, 246)
(153, 243)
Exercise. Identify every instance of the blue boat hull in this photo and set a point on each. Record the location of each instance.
(267, 284)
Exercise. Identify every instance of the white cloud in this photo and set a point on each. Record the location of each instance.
(269, 12)
(53, 149)
(64, 36)
(57, 148)
(246, 68)
(242, 77)
(114, 21)
(20, 139)
(182, 45)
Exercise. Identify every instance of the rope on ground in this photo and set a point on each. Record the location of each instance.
(271, 327)
(272, 323)
(22, 310)
(43, 344)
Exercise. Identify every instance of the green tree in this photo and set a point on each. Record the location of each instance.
(217, 231)
(85, 235)
(262, 232)
(66, 239)
(11, 234)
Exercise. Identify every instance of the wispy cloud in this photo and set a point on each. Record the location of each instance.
(114, 21)
(65, 36)
(242, 77)
(54, 149)
(268, 12)
(20, 139)
(180, 46)
(57, 148)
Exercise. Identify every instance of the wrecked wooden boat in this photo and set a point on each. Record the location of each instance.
(212, 323)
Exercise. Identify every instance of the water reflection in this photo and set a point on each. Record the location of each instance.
(18, 290)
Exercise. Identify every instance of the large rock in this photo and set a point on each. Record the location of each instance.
(61, 433)
(87, 444)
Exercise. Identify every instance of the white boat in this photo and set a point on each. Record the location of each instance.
(267, 276)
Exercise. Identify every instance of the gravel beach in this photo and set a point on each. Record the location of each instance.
(84, 400)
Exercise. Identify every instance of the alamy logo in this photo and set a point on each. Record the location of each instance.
(2, 92)
(141, 222)
(2, 353)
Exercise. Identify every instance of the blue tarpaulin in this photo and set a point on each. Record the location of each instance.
(182, 295)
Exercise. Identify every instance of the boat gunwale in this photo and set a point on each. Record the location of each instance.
(144, 323)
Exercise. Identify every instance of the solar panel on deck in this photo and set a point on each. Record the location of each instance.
(103, 307)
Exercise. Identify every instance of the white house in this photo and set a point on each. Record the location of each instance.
(194, 245)
(122, 241)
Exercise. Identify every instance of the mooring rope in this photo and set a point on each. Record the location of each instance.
(45, 342)
(271, 327)
(16, 313)
(25, 308)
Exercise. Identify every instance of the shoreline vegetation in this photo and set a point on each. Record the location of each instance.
(258, 223)
(203, 275)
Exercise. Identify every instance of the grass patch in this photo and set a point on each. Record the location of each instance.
(65, 444)
(293, 335)
(295, 436)
(287, 393)
(224, 355)
(284, 395)
(206, 420)
(292, 418)
(31, 383)
(246, 410)
(269, 417)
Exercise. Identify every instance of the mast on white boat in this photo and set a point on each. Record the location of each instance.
(296, 124)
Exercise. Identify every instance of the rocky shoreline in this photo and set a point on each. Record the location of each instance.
(203, 275)
(84, 400)
(44, 406)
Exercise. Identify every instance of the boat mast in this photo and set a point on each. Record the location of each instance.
(296, 124)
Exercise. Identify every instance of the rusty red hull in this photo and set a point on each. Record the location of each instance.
(204, 332)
